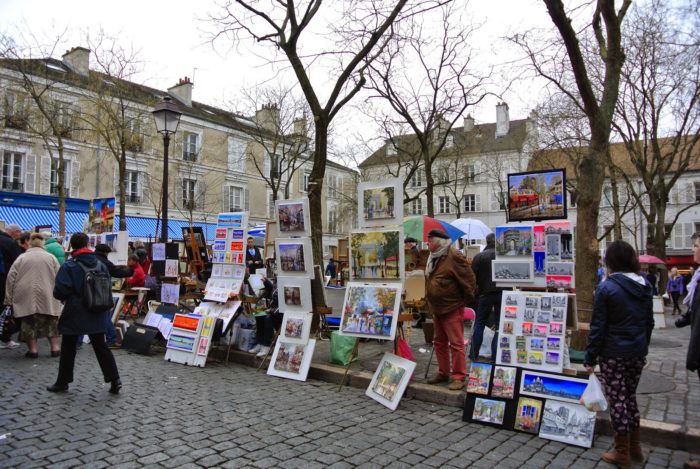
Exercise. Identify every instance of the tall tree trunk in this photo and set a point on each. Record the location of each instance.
(315, 207)
(122, 191)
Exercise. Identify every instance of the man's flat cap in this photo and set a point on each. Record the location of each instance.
(438, 234)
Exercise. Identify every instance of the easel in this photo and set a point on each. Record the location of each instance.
(195, 265)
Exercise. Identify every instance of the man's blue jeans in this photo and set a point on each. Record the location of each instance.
(487, 303)
(111, 332)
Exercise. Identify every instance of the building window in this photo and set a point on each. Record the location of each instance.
(188, 194)
(498, 200)
(189, 146)
(65, 118)
(470, 173)
(235, 199)
(607, 197)
(53, 188)
(472, 203)
(572, 200)
(15, 110)
(134, 138)
(417, 178)
(305, 181)
(415, 207)
(333, 221)
(12, 171)
(131, 187)
(443, 175)
(443, 205)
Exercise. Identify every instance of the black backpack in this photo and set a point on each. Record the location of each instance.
(97, 289)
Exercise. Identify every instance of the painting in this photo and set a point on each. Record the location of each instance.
(539, 264)
(479, 378)
(551, 386)
(512, 271)
(294, 257)
(377, 255)
(560, 268)
(489, 411)
(295, 328)
(390, 380)
(291, 361)
(503, 384)
(553, 248)
(293, 217)
(371, 311)
(567, 423)
(559, 281)
(528, 415)
(537, 195)
(294, 294)
(380, 203)
(513, 241)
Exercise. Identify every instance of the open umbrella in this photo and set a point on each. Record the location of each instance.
(474, 229)
(648, 259)
(419, 226)
(257, 230)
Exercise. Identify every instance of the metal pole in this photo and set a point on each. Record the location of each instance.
(164, 226)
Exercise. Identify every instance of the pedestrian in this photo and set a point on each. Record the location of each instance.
(449, 288)
(489, 298)
(138, 279)
(143, 259)
(618, 341)
(30, 284)
(332, 270)
(675, 289)
(101, 251)
(77, 320)
(23, 240)
(688, 277)
(651, 278)
(53, 246)
(253, 258)
(9, 251)
(692, 318)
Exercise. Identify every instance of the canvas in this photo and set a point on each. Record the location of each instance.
(537, 195)
(294, 294)
(295, 328)
(479, 378)
(371, 310)
(380, 203)
(377, 255)
(489, 411)
(294, 257)
(503, 384)
(390, 380)
(291, 361)
(528, 415)
(293, 217)
(511, 271)
(550, 386)
(513, 241)
(568, 423)
(118, 299)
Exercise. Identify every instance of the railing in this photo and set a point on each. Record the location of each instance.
(53, 190)
(13, 186)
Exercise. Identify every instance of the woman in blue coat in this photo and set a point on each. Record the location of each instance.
(76, 320)
(619, 341)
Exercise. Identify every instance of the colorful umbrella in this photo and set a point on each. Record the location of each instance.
(418, 227)
(649, 259)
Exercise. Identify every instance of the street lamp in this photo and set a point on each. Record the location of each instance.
(167, 116)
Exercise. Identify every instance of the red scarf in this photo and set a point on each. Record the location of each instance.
(80, 251)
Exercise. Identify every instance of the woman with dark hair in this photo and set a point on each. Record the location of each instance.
(619, 341)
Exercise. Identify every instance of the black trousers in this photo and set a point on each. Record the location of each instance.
(104, 357)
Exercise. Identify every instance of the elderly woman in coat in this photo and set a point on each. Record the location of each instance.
(29, 290)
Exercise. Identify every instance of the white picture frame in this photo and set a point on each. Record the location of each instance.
(368, 259)
(118, 299)
(286, 290)
(371, 201)
(553, 427)
(284, 367)
(295, 328)
(356, 323)
(390, 380)
(293, 217)
(290, 260)
(512, 271)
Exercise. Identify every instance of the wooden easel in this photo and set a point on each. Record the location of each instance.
(195, 265)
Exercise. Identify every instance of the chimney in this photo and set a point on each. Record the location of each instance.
(182, 91)
(268, 117)
(468, 123)
(299, 126)
(502, 120)
(78, 60)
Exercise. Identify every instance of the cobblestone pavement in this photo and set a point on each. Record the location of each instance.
(170, 415)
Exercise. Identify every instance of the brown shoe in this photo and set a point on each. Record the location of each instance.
(692, 465)
(438, 378)
(636, 453)
(456, 385)
(620, 455)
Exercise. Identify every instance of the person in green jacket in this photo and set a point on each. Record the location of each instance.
(54, 247)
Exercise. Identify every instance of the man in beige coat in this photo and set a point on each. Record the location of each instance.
(29, 290)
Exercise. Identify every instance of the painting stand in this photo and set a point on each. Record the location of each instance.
(351, 358)
(271, 348)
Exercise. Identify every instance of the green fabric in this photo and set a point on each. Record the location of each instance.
(52, 246)
(341, 347)
(576, 356)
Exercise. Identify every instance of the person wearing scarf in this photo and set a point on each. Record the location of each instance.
(449, 288)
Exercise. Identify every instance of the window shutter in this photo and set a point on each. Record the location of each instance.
(224, 197)
(266, 165)
(477, 203)
(145, 188)
(477, 172)
(200, 194)
(246, 200)
(30, 173)
(75, 178)
(45, 177)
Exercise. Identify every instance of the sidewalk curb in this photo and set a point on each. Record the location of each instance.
(656, 433)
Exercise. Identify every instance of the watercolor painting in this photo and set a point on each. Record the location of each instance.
(528, 415)
(376, 255)
(370, 310)
(390, 380)
(551, 386)
(479, 378)
(567, 423)
(503, 384)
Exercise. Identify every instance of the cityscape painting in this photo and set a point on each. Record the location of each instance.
(568, 423)
(376, 255)
(390, 380)
(380, 203)
(563, 388)
(537, 195)
(371, 311)
(294, 257)
(293, 216)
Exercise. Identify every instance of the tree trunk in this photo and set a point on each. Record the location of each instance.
(429, 182)
(315, 208)
(122, 191)
(60, 179)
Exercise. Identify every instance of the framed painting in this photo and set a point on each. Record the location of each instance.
(377, 255)
(295, 328)
(293, 218)
(568, 423)
(118, 299)
(479, 378)
(512, 271)
(503, 383)
(390, 380)
(537, 195)
(291, 361)
(294, 258)
(551, 386)
(513, 241)
(380, 203)
(371, 310)
(294, 294)
(489, 411)
(528, 415)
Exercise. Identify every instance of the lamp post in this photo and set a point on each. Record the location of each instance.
(167, 117)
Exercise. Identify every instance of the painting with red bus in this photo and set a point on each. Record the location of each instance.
(537, 195)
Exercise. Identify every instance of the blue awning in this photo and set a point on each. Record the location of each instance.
(145, 227)
(27, 218)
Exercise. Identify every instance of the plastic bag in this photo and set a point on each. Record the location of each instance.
(341, 347)
(593, 397)
(485, 350)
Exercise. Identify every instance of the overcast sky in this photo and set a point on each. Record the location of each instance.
(172, 38)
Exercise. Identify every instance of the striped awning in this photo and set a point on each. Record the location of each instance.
(257, 230)
(27, 218)
(145, 227)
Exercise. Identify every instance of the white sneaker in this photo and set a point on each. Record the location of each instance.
(263, 351)
(255, 349)
(10, 344)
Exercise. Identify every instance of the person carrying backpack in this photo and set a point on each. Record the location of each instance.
(80, 285)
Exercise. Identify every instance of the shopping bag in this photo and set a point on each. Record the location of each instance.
(7, 321)
(341, 347)
(593, 397)
(485, 350)
(403, 350)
